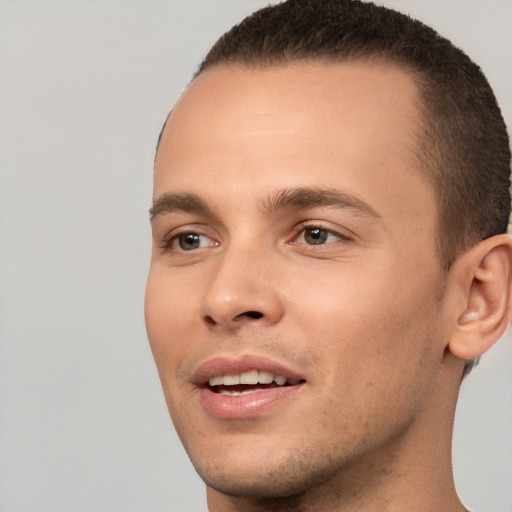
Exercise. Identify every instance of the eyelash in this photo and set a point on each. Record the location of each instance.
(172, 238)
(300, 230)
(304, 226)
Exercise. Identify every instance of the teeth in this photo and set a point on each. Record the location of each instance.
(236, 393)
(265, 377)
(231, 380)
(249, 377)
(216, 381)
(280, 380)
(252, 377)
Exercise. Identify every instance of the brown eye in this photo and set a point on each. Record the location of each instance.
(318, 236)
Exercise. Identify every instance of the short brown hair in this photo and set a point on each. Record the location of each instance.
(463, 143)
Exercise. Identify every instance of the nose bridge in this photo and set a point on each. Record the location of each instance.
(241, 287)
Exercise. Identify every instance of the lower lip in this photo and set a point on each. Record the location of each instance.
(250, 405)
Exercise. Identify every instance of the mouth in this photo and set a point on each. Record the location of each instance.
(245, 387)
(249, 382)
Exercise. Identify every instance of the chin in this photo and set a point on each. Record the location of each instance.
(259, 487)
(292, 476)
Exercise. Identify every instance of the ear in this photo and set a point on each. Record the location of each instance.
(483, 278)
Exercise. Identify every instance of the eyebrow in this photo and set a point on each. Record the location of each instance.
(301, 198)
(168, 203)
(306, 198)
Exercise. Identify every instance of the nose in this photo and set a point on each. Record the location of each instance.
(241, 291)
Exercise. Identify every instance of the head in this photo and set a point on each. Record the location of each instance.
(330, 197)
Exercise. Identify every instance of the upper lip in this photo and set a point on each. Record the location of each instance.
(225, 365)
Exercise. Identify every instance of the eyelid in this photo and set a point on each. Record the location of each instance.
(173, 234)
(343, 234)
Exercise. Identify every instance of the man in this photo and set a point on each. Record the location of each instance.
(331, 196)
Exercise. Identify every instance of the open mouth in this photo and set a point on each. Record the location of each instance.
(249, 382)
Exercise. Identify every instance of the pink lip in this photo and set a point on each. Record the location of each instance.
(248, 405)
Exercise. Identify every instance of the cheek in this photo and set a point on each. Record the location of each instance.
(167, 311)
(170, 315)
(378, 359)
(368, 324)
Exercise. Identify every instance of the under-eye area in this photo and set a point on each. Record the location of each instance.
(249, 382)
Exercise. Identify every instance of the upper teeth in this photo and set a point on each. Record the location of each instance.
(250, 377)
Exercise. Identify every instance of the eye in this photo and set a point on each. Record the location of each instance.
(190, 241)
(317, 236)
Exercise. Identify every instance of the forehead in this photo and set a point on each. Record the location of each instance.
(237, 132)
(302, 105)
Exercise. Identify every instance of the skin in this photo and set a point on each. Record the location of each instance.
(366, 317)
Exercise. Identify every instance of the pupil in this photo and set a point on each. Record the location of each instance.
(189, 241)
(315, 236)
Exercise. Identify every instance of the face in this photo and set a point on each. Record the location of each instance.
(292, 302)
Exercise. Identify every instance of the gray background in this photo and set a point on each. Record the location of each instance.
(84, 89)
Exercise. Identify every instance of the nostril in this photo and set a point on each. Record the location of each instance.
(252, 314)
(212, 320)
(209, 320)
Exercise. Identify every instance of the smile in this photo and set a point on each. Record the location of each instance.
(245, 387)
(248, 382)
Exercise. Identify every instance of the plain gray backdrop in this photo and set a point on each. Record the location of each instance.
(84, 89)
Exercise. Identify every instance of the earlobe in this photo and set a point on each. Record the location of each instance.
(484, 275)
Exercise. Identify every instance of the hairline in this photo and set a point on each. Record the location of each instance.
(424, 167)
